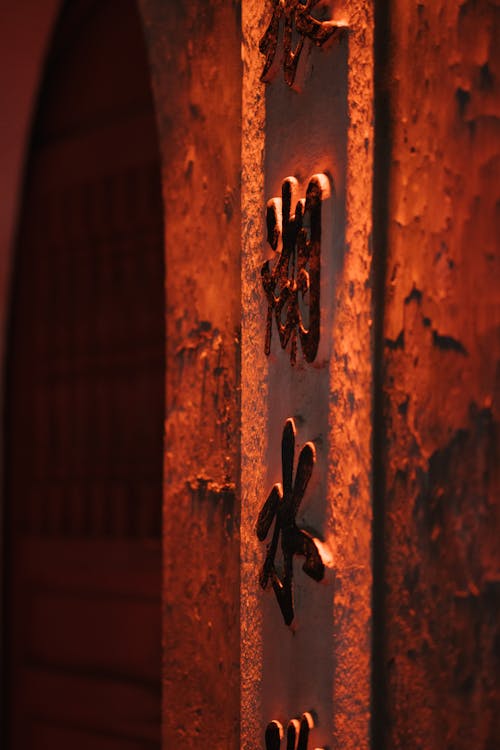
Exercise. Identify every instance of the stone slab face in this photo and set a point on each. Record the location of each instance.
(321, 662)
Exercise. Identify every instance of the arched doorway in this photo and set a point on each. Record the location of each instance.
(85, 401)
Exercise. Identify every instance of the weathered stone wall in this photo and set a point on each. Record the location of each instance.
(196, 69)
(441, 378)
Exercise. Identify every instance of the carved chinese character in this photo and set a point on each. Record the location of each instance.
(297, 18)
(292, 286)
(281, 507)
(297, 734)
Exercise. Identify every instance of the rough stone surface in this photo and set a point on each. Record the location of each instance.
(196, 65)
(254, 390)
(441, 379)
(346, 443)
(350, 405)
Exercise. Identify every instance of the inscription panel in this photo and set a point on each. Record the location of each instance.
(298, 661)
(303, 249)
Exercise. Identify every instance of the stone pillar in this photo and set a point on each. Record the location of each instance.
(196, 70)
(321, 663)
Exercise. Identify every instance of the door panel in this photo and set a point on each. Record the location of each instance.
(86, 400)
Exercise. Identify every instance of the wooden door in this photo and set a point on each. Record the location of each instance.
(85, 401)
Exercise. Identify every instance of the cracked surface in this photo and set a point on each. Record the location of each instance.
(441, 388)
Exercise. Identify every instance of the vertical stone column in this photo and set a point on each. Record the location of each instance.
(254, 390)
(322, 662)
(196, 70)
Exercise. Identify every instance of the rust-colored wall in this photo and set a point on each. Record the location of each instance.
(195, 54)
(441, 345)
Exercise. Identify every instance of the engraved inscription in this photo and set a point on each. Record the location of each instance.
(297, 733)
(281, 507)
(298, 20)
(292, 285)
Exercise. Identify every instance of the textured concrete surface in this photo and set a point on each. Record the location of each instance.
(196, 66)
(441, 379)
